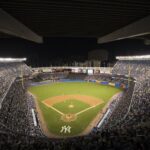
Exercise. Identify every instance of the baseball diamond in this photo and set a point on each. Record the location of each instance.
(79, 105)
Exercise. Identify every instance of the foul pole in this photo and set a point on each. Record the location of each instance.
(22, 80)
(129, 75)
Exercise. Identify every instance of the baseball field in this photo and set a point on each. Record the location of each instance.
(71, 108)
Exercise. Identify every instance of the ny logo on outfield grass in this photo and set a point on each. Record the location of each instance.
(65, 129)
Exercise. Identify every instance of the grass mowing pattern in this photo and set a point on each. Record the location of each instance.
(52, 118)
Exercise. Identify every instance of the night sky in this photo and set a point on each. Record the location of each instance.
(57, 50)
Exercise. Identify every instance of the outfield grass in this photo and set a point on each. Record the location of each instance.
(52, 118)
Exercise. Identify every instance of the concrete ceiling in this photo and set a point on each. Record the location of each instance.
(76, 18)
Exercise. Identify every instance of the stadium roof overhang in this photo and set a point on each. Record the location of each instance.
(136, 29)
(11, 26)
(78, 18)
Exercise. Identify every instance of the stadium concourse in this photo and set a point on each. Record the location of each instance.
(126, 126)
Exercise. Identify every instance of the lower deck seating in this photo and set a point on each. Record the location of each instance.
(13, 114)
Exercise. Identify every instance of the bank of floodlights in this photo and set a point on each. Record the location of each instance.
(140, 57)
(12, 59)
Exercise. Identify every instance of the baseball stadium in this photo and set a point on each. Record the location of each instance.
(74, 75)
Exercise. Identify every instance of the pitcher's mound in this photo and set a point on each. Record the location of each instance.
(71, 106)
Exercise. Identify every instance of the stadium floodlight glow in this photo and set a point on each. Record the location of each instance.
(12, 59)
(140, 57)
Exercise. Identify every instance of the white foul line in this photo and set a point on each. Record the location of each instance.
(87, 109)
(76, 113)
(55, 109)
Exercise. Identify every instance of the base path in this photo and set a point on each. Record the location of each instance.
(92, 101)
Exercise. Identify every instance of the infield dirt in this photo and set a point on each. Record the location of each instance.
(92, 101)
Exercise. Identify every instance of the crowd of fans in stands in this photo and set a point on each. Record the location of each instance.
(139, 112)
(126, 138)
(12, 98)
(139, 69)
(34, 130)
(8, 73)
(51, 76)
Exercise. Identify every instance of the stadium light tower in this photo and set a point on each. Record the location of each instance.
(140, 57)
(12, 59)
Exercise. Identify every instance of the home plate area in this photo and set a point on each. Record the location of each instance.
(70, 106)
(68, 117)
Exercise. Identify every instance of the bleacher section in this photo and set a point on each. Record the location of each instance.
(15, 102)
(13, 113)
(138, 69)
(50, 76)
(8, 73)
(76, 76)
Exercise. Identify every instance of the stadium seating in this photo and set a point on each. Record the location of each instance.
(135, 68)
(76, 76)
(50, 76)
(8, 73)
(139, 111)
(13, 98)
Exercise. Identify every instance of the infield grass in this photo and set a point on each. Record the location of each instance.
(65, 106)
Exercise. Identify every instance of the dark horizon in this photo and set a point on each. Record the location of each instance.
(57, 50)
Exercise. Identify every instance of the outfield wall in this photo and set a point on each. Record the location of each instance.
(69, 80)
(117, 84)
